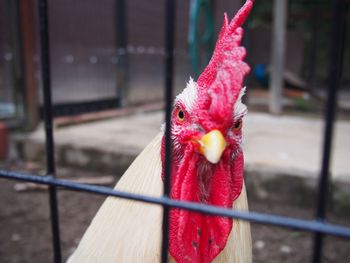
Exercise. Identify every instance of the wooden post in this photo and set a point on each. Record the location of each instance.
(27, 31)
(278, 55)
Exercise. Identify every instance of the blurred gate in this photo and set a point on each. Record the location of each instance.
(83, 56)
(100, 59)
(11, 78)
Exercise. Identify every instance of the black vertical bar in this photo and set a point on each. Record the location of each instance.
(169, 72)
(121, 23)
(46, 82)
(122, 42)
(335, 70)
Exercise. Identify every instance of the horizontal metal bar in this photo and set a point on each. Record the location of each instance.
(254, 217)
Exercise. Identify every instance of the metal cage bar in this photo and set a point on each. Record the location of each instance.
(317, 226)
(169, 73)
(335, 70)
(50, 147)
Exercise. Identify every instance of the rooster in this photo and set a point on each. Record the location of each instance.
(207, 167)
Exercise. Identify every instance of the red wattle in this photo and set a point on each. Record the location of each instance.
(195, 237)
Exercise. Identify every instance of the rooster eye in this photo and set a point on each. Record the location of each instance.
(180, 115)
(238, 125)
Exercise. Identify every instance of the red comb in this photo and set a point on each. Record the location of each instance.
(226, 70)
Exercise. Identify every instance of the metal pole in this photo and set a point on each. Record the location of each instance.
(169, 75)
(121, 41)
(50, 151)
(278, 55)
(335, 70)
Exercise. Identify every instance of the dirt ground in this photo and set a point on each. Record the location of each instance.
(25, 234)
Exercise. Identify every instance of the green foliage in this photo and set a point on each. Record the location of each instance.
(303, 104)
(307, 17)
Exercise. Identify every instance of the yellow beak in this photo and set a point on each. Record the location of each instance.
(212, 145)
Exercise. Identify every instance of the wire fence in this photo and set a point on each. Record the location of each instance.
(318, 226)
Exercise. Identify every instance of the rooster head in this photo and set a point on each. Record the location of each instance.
(207, 158)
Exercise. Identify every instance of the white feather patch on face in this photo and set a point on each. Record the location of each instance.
(162, 127)
(188, 96)
(240, 109)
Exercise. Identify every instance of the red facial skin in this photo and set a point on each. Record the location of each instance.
(195, 237)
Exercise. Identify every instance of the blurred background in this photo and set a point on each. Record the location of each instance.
(107, 80)
(97, 55)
